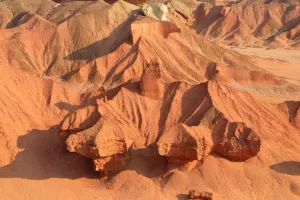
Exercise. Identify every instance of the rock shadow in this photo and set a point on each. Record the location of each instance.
(287, 167)
(67, 106)
(202, 20)
(14, 22)
(165, 109)
(45, 156)
(194, 104)
(121, 34)
(182, 196)
(147, 162)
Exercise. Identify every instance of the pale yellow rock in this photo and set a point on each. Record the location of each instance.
(157, 11)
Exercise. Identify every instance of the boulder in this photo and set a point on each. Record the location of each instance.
(157, 11)
(196, 194)
(234, 140)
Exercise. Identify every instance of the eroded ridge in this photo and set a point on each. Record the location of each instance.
(182, 123)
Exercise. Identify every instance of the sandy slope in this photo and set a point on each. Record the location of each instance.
(291, 56)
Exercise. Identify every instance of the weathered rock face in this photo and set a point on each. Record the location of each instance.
(195, 194)
(156, 10)
(224, 11)
(235, 141)
(82, 144)
(184, 144)
(151, 83)
(107, 142)
(153, 28)
(181, 120)
(184, 7)
(111, 163)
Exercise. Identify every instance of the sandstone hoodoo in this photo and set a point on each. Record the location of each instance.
(107, 142)
(185, 143)
(182, 145)
(149, 99)
(151, 82)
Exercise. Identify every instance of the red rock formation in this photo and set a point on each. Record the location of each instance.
(185, 143)
(182, 145)
(107, 142)
(234, 140)
(151, 82)
(84, 73)
(195, 194)
(182, 137)
(111, 163)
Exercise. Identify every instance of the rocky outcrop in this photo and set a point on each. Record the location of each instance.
(107, 142)
(235, 141)
(182, 145)
(111, 163)
(195, 194)
(184, 7)
(181, 120)
(146, 26)
(151, 83)
(157, 11)
(186, 143)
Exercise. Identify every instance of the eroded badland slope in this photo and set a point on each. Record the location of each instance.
(98, 101)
